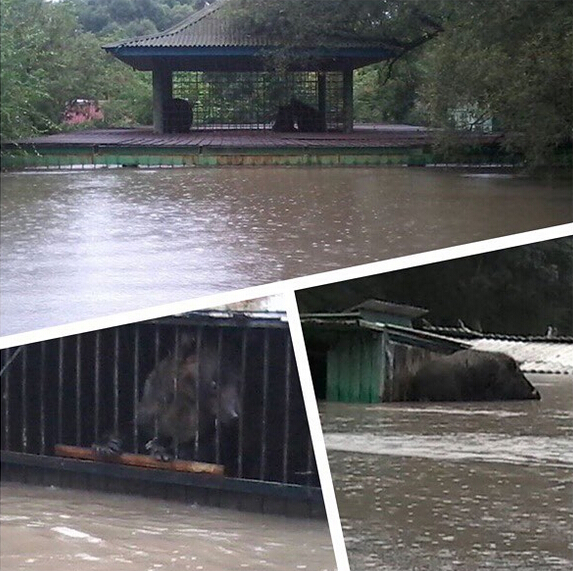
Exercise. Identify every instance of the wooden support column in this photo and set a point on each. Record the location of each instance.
(347, 100)
(162, 92)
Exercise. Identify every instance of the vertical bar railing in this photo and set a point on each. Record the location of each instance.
(287, 407)
(200, 369)
(60, 388)
(156, 362)
(265, 403)
(78, 389)
(97, 360)
(240, 444)
(42, 397)
(6, 396)
(219, 381)
(136, 340)
(116, 382)
(176, 356)
(24, 394)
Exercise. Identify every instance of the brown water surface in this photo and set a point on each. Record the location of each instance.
(456, 486)
(83, 244)
(50, 529)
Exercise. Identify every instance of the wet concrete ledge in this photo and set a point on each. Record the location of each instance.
(367, 145)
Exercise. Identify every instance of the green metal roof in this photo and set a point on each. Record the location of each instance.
(210, 39)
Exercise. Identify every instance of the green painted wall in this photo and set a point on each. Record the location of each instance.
(355, 368)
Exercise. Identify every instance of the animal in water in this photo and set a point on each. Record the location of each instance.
(470, 375)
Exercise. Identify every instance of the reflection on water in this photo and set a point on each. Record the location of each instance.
(85, 244)
(466, 486)
(53, 529)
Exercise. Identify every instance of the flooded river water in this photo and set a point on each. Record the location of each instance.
(468, 486)
(83, 244)
(50, 529)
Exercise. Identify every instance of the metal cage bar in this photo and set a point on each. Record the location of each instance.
(251, 100)
(78, 390)
(60, 388)
(199, 348)
(97, 368)
(116, 381)
(218, 397)
(42, 397)
(265, 403)
(24, 397)
(241, 432)
(288, 357)
(136, 341)
(9, 359)
(81, 389)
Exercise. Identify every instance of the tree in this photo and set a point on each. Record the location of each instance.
(518, 290)
(506, 60)
(45, 62)
(510, 60)
(399, 26)
(125, 18)
(21, 90)
(379, 97)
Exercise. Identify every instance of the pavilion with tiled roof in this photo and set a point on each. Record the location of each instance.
(210, 41)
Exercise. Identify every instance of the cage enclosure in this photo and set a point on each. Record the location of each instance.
(215, 387)
(251, 100)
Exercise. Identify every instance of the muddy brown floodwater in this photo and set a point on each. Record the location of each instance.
(83, 244)
(456, 486)
(50, 529)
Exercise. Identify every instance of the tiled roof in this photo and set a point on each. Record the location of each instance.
(534, 353)
(212, 27)
(533, 356)
(467, 333)
(207, 27)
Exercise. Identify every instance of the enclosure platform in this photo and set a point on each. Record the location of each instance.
(215, 491)
(381, 144)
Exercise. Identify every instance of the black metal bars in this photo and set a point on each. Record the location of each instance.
(234, 377)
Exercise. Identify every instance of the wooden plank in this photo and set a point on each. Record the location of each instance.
(139, 460)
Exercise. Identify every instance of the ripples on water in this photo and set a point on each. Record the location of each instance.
(456, 486)
(49, 529)
(85, 244)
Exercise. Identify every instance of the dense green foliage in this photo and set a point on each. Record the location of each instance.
(44, 63)
(128, 18)
(51, 54)
(512, 60)
(509, 61)
(518, 290)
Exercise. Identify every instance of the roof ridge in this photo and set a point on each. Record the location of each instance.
(190, 20)
(195, 17)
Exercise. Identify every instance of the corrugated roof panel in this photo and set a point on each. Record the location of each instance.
(533, 356)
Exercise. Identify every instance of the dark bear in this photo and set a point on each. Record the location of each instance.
(177, 116)
(308, 119)
(189, 401)
(470, 375)
(284, 120)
